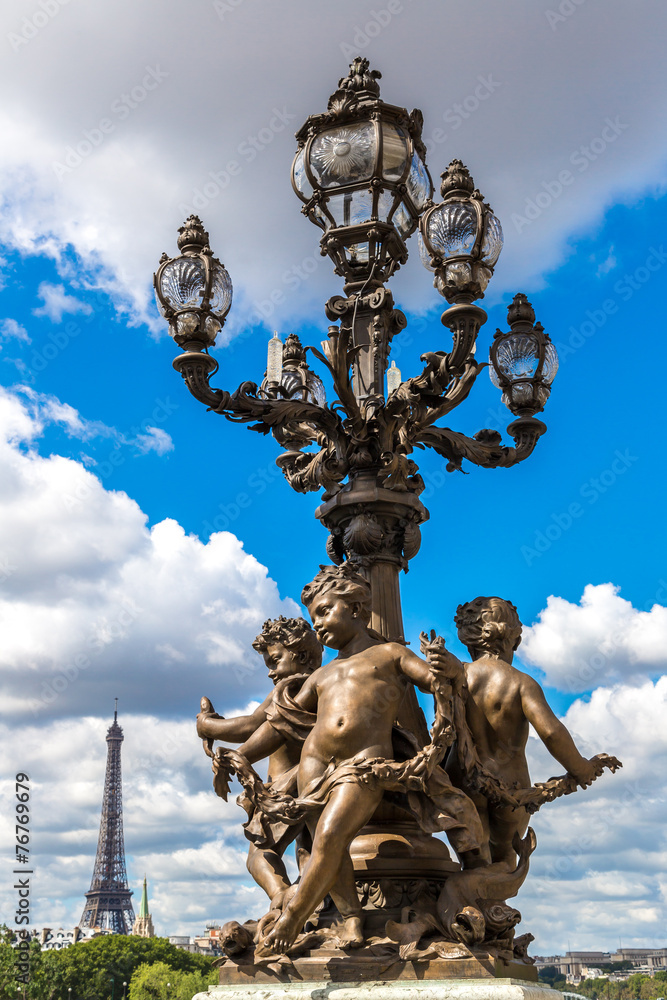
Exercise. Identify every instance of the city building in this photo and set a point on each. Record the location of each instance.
(578, 965)
(143, 925)
(201, 944)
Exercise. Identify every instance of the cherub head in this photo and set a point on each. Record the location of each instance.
(489, 625)
(289, 646)
(339, 603)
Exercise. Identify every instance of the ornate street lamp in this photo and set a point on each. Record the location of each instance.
(360, 172)
(360, 169)
(193, 291)
(524, 362)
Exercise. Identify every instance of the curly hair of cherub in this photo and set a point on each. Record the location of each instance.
(486, 623)
(295, 634)
(344, 582)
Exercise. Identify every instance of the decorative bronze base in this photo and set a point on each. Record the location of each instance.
(366, 965)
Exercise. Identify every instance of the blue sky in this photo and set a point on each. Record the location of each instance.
(107, 454)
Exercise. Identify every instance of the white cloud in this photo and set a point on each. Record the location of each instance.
(92, 598)
(128, 181)
(57, 302)
(11, 329)
(155, 439)
(596, 872)
(579, 646)
(187, 841)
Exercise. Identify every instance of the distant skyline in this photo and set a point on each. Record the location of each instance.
(144, 541)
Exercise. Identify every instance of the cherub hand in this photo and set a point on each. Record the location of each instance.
(438, 656)
(587, 771)
(203, 730)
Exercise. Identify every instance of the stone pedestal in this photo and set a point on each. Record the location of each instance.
(383, 989)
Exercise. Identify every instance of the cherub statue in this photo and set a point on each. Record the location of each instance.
(500, 705)
(347, 757)
(291, 651)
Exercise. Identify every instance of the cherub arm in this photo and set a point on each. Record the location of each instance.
(440, 662)
(236, 730)
(553, 733)
(266, 740)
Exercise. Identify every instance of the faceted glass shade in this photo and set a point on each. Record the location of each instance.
(183, 286)
(517, 358)
(302, 183)
(424, 255)
(351, 208)
(311, 392)
(221, 290)
(550, 366)
(493, 240)
(452, 229)
(394, 152)
(385, 202)
(343, 155)
(403, 221)
(182, 283)
(419, 185)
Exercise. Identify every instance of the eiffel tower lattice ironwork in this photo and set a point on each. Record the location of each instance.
(108, 901)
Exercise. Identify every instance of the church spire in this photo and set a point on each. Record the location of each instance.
(143, 925)
(143, 907)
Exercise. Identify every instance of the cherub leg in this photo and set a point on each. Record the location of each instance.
(345, 896)
(504, 823)
(349, 808)
(268, 870)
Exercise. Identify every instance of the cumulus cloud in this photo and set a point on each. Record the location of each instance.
(187, 841)
(56, 302)
(603, 638)
(97, 168)
(10, 329)
(595, 874)
(94, 602)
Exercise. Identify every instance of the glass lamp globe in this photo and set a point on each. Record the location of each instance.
(361, 173)
(193, 291)
(524, 362)
(460, 238)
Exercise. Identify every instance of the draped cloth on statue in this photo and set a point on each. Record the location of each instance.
(273, 808)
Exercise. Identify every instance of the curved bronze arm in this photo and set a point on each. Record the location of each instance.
(485, 448)
(294, 423)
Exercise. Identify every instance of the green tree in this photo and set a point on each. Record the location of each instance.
(160, 981)
(91, 967)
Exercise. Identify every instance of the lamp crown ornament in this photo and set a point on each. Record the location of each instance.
(520, 313)
(192, 237)
(361, 78)
(455, 180)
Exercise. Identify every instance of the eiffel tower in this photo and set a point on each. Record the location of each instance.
(108, 903)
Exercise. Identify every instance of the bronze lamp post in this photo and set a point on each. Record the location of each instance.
(361, 174)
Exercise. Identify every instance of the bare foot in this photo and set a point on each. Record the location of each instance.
(350, 932)
(283, 934)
